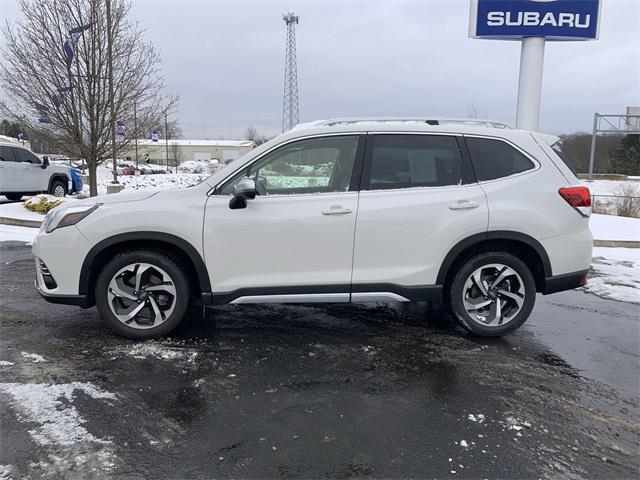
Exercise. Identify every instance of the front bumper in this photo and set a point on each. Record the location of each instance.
(59, 256)
(77, 300)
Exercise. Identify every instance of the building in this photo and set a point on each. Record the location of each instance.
(184, 150)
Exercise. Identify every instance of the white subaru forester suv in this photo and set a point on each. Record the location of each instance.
(335, 211)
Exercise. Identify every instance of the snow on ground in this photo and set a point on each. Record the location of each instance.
(610, 227)
(608, 187)
(164, 350)
(50, 406)
(17, 210)
(133, 182)
(615, 274)
(10, 233)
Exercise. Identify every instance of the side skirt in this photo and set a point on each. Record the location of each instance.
(326, 294)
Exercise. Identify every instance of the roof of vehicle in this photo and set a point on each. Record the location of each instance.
(199, 143)
(433, 125)
(14, 144)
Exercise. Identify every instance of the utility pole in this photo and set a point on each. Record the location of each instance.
(135, 130)
(166, 140)
(111, 95)
(290, 109)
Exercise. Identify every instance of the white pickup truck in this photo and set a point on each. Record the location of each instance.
(23, 173)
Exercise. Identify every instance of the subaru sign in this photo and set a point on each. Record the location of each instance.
(550, 19)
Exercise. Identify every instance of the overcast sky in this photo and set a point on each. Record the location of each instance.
(374, 58)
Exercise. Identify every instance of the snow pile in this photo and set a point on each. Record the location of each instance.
(200, 166)
(51, 408)
(18, 210)
(4, 363)
(10, 233)
(479, 418)
(610, 227)
(34, 357)
(607, 187)
(615, 274)
(157, 350)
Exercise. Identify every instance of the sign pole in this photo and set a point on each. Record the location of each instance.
(592, 154)
(530, 83)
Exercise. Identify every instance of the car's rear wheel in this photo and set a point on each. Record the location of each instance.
(492, 293)
(58, 188)
(14, 197)
(142, 294)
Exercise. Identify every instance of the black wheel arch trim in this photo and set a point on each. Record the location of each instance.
(174, 240)
(493, 235)
(58, 176)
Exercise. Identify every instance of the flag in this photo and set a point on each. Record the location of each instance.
(120, 128)
(56, 100)
(70, 43)
(44, 120)
(155, 136)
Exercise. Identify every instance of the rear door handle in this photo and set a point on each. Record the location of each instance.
(463, 205)
(337, 210)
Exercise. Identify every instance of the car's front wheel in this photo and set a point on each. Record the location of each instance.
(142, 293)
(492, 293)
(14, 197)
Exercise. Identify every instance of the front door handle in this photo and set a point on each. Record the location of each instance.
(463, 205)
(337, 210)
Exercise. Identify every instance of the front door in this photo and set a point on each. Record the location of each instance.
(294, 241)
(32, 176)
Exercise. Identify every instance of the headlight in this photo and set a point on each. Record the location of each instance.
(65, 217)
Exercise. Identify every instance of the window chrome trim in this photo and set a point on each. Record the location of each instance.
(213, 190)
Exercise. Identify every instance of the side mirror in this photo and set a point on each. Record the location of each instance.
(244, 190)
(45, 162)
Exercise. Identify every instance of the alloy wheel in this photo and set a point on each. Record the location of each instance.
(141, 295)
(493, 295)
(58, 191)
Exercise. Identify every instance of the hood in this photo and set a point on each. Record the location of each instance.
(116, 198)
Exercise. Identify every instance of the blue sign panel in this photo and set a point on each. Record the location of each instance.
(552, 19)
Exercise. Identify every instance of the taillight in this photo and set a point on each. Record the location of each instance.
(578, 197)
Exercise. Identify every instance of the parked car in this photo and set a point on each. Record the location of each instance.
(477, 215)
(23, 173)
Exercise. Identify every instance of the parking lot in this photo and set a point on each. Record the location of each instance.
(316, 391)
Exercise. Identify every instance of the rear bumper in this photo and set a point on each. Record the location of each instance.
(566, 281)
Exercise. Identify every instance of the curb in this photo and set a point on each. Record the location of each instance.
(617, 243)
(19, 222)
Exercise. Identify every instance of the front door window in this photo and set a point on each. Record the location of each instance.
(317, 165)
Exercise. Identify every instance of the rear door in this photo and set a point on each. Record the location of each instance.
(418, 199)
(10, 170)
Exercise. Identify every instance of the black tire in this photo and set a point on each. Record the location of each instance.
(161, 259)
(454, 293)
(14, 197)
(56, 184)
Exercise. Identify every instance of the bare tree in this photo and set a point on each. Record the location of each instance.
(251, 133)
(476, 110)
(55, 72)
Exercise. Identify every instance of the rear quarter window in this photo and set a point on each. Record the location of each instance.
(493, 159)
(6, 154)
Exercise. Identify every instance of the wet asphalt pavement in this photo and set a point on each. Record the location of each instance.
(332, 391)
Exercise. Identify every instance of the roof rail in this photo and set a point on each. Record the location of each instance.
(408, 120)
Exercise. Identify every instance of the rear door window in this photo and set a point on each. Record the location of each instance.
(493, 158)
(6, 154)
(406, 161)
